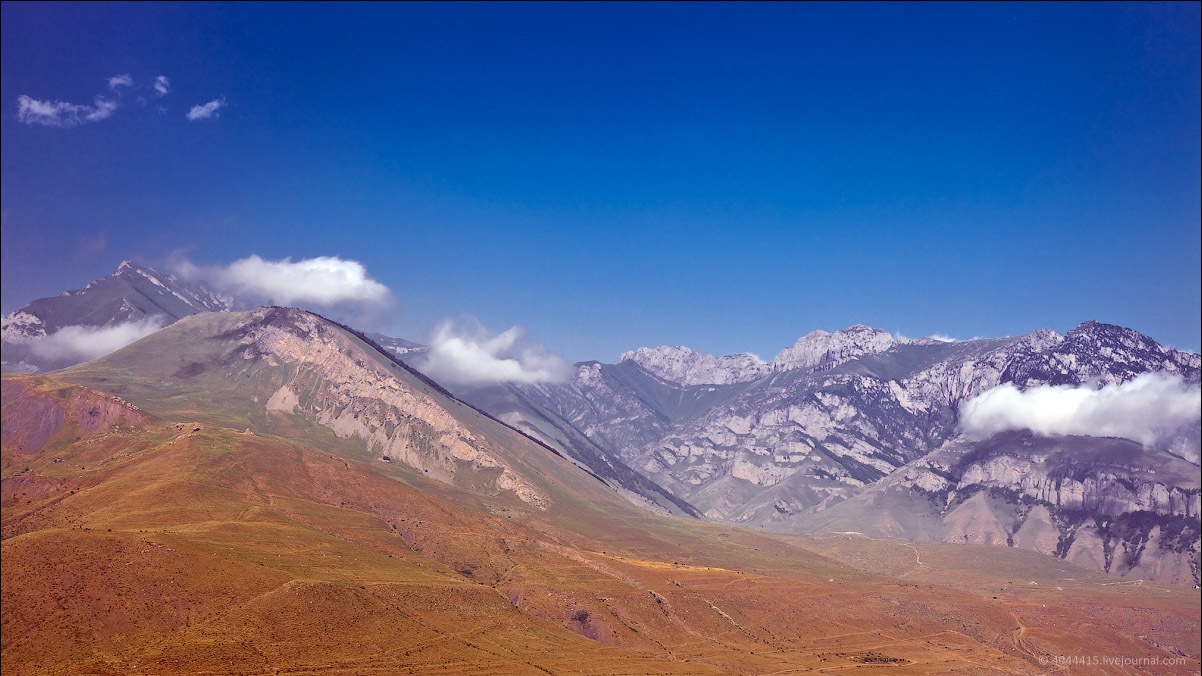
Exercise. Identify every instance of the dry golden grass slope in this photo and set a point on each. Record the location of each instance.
(139, 541)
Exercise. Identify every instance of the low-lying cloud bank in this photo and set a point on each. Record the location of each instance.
(1146, 409)
(76, 344)
(465, 353)
(325, 281)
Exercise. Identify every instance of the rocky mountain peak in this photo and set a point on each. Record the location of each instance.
(1107, 353)
(1097, 335)
(1041, 339)
(683, 366)
(820, 349)
(133, 293)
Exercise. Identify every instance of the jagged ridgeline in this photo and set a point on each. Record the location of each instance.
(859, 430)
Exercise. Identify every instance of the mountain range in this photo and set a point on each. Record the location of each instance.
(860, 431)
(268, 490)
(854, 431)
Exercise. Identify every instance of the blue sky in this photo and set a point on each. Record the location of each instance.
(723, 176)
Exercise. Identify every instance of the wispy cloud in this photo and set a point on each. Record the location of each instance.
(1148, 408)
(118, 81)
(61, 113)
(162, 85)
(463, 352)
(325, 281)
(210, 110)
(83, 343)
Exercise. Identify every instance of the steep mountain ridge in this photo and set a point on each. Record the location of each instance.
(286, 371)
(133, 293)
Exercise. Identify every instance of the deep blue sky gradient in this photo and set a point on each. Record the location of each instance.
(723, 176)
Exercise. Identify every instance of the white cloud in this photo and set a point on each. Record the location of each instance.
(1148, 408)
(120, 81)
(325, 281)
(162, 85)
(62, 113)
(465, 353)
(209, 110)
(84, 343)
(942, 338)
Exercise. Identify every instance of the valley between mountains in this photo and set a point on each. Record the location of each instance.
(267, 491)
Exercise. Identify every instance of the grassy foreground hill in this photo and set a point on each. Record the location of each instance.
(216, 498)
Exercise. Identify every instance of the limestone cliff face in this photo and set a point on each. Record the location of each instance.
(334, 381)
(1105, 503)
(1108, 493)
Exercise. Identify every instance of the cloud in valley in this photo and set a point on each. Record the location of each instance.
(61, 113)
(325, 281)
(206, 111)
(84, 343)
(1150, 407)
(465, 353)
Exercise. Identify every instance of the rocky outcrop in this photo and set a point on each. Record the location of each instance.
(819, 349)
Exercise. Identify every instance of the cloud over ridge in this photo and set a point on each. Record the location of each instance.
(84, 343)
(463, 352)
(1144, 409)
(324, 281)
